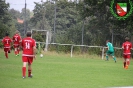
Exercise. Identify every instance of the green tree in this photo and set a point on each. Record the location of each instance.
(14, 13)
(22, 15)
(5, 18)
(62, 16)
(102, 24)
(39, 20)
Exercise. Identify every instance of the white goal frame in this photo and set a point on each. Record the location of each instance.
(47, 35)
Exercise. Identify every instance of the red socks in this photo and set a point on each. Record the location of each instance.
(6, 54)
(15, 52)
(29, 73)
(23, 71)
(128, 62)
(18, 51)
(124, 64)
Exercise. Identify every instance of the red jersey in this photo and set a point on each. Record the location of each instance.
(7, 42)
(27, 44)
(126, 46)
(16, 39)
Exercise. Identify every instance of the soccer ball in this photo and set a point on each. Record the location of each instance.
(41, 55)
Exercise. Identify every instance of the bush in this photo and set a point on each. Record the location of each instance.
(1, 45)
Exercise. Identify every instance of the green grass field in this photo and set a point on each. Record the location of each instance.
(61, 71)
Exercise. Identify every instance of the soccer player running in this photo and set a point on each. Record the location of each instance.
(7, 44)
(16, 43)
(126, 46)
(28, 47)
(110, 51)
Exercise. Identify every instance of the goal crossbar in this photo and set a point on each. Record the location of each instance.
(46, 42)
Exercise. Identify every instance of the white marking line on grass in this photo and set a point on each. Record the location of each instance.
(122, 87)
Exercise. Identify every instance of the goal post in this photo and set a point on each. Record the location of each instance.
(47, 37)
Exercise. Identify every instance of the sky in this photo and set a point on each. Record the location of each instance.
(19, 4)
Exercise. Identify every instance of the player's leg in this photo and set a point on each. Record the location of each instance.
(30, 60)
(6, 52)
(127, 61)
(107, 57)
(18, 50)
(15, 50)
(113, 56)
(24, 60)
(29, 70)
(124, 63)
(9, 50)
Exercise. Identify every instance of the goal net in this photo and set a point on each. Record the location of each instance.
(42, 38)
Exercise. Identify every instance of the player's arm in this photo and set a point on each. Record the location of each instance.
(20, 42)
(13, 39)
(107, 48)
(122, 46)
(21, 45)
(131, 47)
(20, 39)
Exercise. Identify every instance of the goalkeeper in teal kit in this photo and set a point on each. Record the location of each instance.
(110, 50)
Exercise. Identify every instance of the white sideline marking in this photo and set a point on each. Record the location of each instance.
(122, 87)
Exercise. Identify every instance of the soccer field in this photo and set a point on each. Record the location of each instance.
(60, 71)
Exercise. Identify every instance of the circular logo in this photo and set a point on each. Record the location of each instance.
(121, 10)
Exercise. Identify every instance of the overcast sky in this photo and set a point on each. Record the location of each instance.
(19, 4)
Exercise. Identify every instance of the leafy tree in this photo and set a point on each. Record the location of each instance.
(17, 15)
(88, 19)
(14, 13)
(104, 22)
(22, 15)
(63, 14)
(5, 18)
(39, 20)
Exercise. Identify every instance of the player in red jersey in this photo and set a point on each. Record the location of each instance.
(16, 43)
(126, 46)
(29, 47)
(7, 44)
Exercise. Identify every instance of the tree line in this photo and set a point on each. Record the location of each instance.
(87, 22)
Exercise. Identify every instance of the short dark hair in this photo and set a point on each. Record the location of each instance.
(107, 40)
(6, 34)
(28, 34)
(127, 39)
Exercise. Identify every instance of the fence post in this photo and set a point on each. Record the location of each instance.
(46, 45)
(71, 50)
(102, 53)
